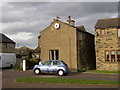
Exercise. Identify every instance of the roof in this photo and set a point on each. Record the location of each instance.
(24, 51)
(108, 23)
(80, 28)
(36, 50)
(5, 39)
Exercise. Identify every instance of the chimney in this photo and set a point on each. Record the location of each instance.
(70, 22)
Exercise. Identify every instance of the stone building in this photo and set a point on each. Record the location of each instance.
(107, 44)
(22, 52)
(6, 44)
(36, 53)
(67, 42)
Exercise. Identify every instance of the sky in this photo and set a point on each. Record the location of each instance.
(23, 21)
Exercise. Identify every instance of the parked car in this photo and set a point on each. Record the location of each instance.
(52, 66)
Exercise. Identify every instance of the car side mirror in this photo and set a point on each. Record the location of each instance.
(40, 63)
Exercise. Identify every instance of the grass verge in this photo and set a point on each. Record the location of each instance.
(111, 72)
(64, 80)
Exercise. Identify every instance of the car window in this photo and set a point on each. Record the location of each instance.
(47, 63)
(56, 63)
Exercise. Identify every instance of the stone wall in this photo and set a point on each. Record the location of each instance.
(86, 51)
(9, 49)
(62, 39)
(108, 41)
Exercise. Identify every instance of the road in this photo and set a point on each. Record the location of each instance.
(9, 76)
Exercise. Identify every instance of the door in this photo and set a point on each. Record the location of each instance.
(54, 67)
(45, 66)
(54, 54)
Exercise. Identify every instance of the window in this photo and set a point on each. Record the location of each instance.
(107, 55)
(54, 55)
(118, 55)
(113, 55)
(56, 63)
(4, 45)
(80, 35)
(47, 63)
(102, 32)
(118, 32)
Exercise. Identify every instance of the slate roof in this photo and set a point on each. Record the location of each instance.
(5, 39)
(36, 50)
(81, 27)
(24, 51)
(108, 23)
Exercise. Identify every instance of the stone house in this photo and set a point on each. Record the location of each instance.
(67, 42)
(22, 52)
(36, 53)
(6, 44)
(107, 44)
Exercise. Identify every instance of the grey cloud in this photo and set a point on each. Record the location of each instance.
(35, 16)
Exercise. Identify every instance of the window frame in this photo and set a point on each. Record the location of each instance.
(110, 56)
(80, 36)
(105, 55)
(117, 55)
(5, 45)
(118, 32)
(56, 56)
(101, 33)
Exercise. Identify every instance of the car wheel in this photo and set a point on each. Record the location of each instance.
(37, 71)
(60, 72)
(11, 66)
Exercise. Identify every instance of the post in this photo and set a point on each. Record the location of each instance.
(24, 65)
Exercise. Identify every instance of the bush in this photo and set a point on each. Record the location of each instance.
(33, 62)
(16, 68)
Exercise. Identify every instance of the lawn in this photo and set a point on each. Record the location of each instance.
(64, 80)
(112, 72)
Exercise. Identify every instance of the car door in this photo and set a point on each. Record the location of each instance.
(45, 67)
(54, 67)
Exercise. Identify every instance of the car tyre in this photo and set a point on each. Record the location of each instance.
(37, 71)
(11, 66)
(60, 73)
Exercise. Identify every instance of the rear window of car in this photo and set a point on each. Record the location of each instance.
(56, 63)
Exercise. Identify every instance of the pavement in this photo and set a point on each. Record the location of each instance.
(9, 80)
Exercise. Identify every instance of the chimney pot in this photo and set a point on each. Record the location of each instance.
(70, 22)
(69, 17)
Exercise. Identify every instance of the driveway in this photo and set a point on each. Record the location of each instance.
(9, 76)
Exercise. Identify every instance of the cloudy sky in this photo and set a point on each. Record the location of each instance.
(23, 21)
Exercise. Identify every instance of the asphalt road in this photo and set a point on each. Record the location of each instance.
(9, 76)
